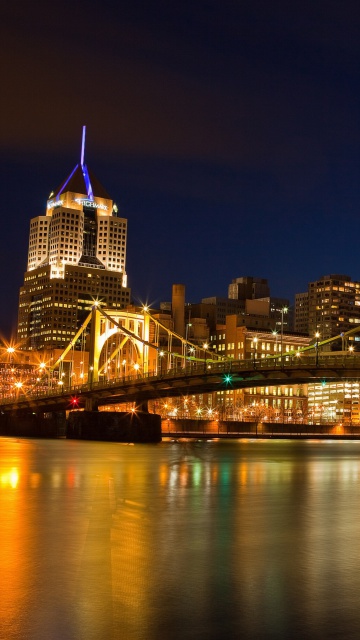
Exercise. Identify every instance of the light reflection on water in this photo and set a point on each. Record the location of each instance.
(252, 539)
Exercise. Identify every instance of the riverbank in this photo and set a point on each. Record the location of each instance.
(234, 429)
(253, 436)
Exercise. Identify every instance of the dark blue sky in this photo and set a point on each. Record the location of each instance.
(227, 132)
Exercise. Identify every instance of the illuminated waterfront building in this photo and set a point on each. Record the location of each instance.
(77, 254)
(331, 307)
(334, 403)
(250, 343)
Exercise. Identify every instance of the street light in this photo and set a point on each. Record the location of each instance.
(188, 325)
(191, 352)
(10, 351)
(283, 310)
(124, 368)
(205, 346)
(317, 336)
(275, 334)
(255, 341)
(161, 355)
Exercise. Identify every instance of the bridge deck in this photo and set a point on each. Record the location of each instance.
(195, 379)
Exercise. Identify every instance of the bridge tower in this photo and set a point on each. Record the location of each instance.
(133, 326)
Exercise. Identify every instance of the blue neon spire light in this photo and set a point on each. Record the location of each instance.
(62, 188)
(84, 168)
(83, 145)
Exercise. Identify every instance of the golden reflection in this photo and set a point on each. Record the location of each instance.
(13, 569)
(56, 479)
(70, 479)
(10, 478)
(214, 474)
(147, 520)
(35, 480)
(184, 474)
(163, 474)
(243, 473)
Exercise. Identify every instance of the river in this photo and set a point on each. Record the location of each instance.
(180, 540)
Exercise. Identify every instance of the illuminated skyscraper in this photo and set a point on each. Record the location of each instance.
(77, 253)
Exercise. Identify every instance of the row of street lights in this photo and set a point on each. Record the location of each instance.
(205, 347)
(274, 333)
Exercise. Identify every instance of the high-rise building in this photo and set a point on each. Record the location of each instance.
(77, 254)
(302, 312)
(248, 288)
(331, 306)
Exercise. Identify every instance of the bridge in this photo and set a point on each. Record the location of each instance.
(133, 357)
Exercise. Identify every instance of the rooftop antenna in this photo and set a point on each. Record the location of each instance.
(83, 145)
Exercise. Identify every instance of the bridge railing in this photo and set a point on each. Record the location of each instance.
(193, 369)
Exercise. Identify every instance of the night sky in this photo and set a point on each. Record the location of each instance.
(226, 131)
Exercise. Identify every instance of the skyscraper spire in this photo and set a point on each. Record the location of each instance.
(83, 145)
(84, 168)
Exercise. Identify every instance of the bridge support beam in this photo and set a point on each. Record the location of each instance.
(89, 403)
(94, 352)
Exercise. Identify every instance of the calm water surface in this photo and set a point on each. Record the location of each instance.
(180, 540)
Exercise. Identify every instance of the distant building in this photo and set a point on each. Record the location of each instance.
(240, 342)
(77, 254)
(331, 306)
(301, 321)
(248, 297)
(248, 288)
(215, 309)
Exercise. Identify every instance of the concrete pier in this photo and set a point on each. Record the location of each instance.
(33, 425)
(114, 426)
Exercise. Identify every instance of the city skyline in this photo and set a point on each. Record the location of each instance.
(229, 140)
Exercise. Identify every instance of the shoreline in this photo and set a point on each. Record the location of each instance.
(253, 436)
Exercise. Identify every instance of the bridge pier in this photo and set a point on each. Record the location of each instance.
(26, 423)
(114, 426)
